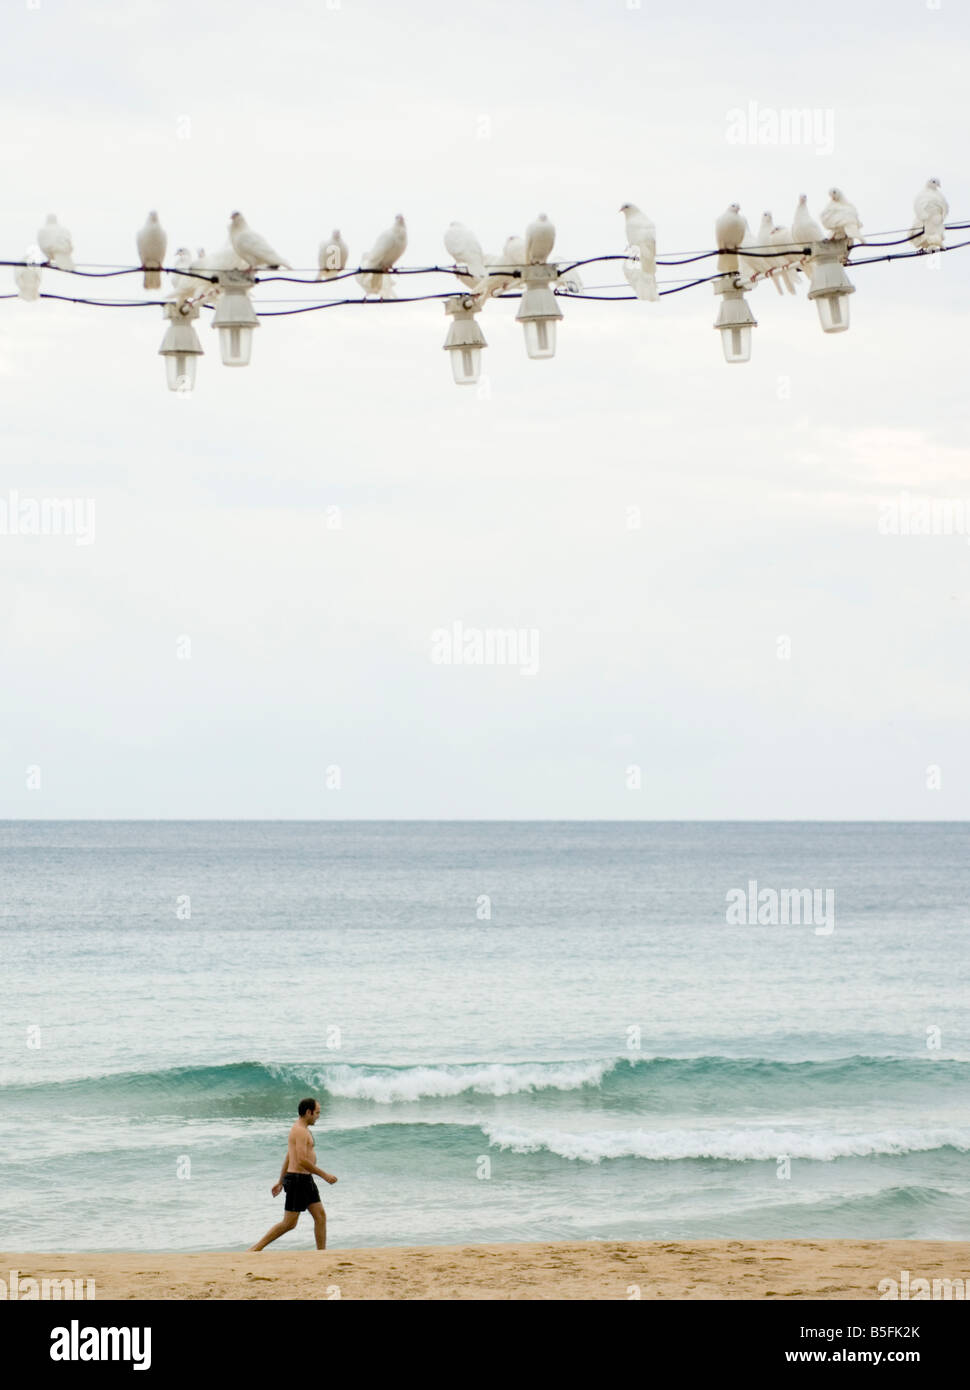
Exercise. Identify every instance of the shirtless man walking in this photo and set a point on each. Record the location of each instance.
(296, 1179)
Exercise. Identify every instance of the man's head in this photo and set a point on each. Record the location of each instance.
(309, 1110)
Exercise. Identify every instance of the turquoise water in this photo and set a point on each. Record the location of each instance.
(516, 1031)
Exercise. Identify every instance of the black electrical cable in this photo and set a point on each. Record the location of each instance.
(109, 274)
(105, 303)
(908, 255)
(559, 290)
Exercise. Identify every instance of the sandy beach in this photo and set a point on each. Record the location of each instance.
(717, 1269)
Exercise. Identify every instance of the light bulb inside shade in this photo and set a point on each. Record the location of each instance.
(736, 342)
(466, 365)
(236, 345)
(833, 312)
(540, 337)
(180, 370)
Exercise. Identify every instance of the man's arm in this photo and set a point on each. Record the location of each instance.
(304, 1157)
(278, 1186)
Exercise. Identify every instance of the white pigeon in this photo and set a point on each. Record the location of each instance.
(730, 228)
(151, 242)
(389, 247)
(803, 225)
(758, 267)
(332, 257)
(787, 262)
(184, 286)
(644, 286)
(251, 248)
(226, 258)
(512, 253)
(931, 209)
(27, 279)
(465, 250)
(641, 234)
(840, 217)
(540, 237)
(55, 242)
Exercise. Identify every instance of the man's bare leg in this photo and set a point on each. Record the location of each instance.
(290, 1219)
(319, 1224)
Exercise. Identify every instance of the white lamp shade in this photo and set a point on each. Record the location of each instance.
(180, 370)
(831, 288)
(465, 340)
(180, 347)
(833, 312)
(540, 338)
(235, 344)
(736, 342)
(538, 311)
(235, 319)
(734, 319)
(466, 364)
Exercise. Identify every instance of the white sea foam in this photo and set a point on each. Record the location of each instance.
(738, 1145)
(387, 1085)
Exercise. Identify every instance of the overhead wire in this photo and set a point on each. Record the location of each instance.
(592, 293)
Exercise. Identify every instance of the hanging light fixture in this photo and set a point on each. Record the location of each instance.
(734, 319)
(831, 286)
(235, 317)
(180, 346)
(538, 310)
(465, 340)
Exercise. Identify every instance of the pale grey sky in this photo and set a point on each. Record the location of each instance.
(760, 488)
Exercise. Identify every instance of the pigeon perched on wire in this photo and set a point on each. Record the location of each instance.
(641, 269)
(730, 228)
(806, 231)
(55, 243)
(184, 287)
(540, 238)
(389, 247)
(226, 258)
(840, 217)
(512, 254)
(787, 262)
(210, 263)
(757, 267)
(644, 286)
(198, 285)
(931, 209)
(151, 242)
(251, 248)
(332, 257)
(465, 250)
(804, 228)
(27, 278)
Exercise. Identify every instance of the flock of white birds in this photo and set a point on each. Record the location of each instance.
(485, 274)
(839, 220)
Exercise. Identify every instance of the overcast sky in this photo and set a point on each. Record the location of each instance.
(759, 488)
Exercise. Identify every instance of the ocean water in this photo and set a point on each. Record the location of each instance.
(516, 1031)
